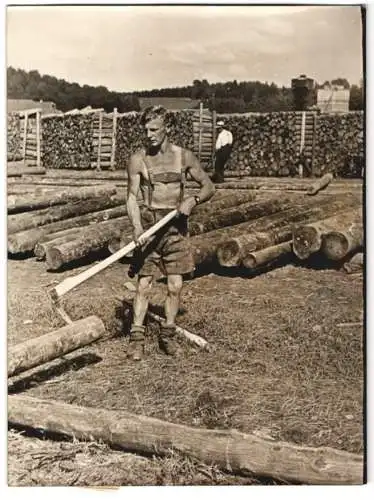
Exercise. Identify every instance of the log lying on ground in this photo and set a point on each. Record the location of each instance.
(50, 240)
(355, 264)
(39, 350)
(239, 214)
(267, 255)
(221, 203)
(307, 239)
(90, 240)
(25, 241)
(261, 233)
(338, 244)
(55, 181)
(229, 450)
(17, 171)
(321, 183)
(60, 173)
(21, 222)
(36, 201)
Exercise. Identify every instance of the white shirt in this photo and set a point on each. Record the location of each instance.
(224, 137)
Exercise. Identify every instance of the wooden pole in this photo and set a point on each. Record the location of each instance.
(200, 129)
(214, 135)
(39, 350)
(314, 142)
(99, 140)
(302, 142)
(229, 450)
(114, 140)
(38, 139)
(24, 137)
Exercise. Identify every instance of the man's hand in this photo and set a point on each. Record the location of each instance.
(137, 236)
(187, 205)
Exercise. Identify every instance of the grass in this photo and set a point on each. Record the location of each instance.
(279, 365)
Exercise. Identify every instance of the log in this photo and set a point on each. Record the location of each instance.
(17, 204)
(21, 222)
(50, 240)
(17, 171)
(267, 255)
(217, 204)
(239, 214)
(90, 240)
(25, 241)
(86, 174)
(228, 450)
(307, 239)
(320, 184)
(39, 350)
(355, 264)
(338, 244)
(260, 234)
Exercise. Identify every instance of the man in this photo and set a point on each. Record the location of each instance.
(159, 171)
(223, 151)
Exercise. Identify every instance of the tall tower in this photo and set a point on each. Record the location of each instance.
(303, 95)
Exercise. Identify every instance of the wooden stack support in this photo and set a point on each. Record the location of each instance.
(39, 350)
(104, 141)
(203, 136)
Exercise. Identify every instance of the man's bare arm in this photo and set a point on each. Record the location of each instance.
(197, 173)
(133, 211)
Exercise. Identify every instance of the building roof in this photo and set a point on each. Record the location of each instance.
(171, 103)
(14, 105)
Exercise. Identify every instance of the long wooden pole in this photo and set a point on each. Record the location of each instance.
(24, 137)
(99, 140)
(200, 129)
(38, 139)
(114, 140)
(230, 450)
(70, 283)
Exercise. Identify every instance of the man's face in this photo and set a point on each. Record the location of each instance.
(156, 131)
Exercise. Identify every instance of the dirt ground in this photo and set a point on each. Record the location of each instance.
(282, 363)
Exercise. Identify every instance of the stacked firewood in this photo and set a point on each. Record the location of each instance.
(339, 144)
(13, 137)
(265, 144)
(67, 141)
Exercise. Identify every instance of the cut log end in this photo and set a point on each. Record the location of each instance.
(335, 247)
(54, 259)
(228, 253)
(305, 242)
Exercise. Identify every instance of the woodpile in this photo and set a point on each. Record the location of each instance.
(248, 226)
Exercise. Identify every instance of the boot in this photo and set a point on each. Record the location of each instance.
(135, 349)
(167, 340)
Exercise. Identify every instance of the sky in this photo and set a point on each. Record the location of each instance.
(145, 47)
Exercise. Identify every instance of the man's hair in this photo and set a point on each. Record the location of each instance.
(154, 112)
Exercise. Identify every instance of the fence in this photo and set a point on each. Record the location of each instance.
(265, 144)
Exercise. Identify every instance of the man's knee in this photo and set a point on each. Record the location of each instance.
(144, 286)
(175, 283)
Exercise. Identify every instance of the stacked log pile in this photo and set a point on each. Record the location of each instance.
(67, 141)
(248, 226)
(13, 137)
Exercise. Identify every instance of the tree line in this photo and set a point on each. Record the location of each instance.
(228, 97)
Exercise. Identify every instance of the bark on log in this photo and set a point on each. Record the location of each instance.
(256, 259)
(220, 203)
(355, 264)
(91, 239)
(17, 171)
(21, 222)
(307, 239)
(25, 241)
(320, 184)
(239, 214)
(17, 204)
(86, 174)
(229, 450)
(261, 233)
(338, 244)
(34, 352)
(50, 240)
